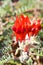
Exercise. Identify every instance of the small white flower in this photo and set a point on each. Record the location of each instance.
(23, 57)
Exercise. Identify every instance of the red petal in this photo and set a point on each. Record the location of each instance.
(26, 48)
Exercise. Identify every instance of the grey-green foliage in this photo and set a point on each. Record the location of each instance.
(25, 5)
(30, 61)
(37, 51)
(5, 46)
(5, 43)
(5, 58)
(5, 8)
(4, 52)
(41, 33)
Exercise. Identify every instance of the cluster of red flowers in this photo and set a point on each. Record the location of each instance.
(23, 26)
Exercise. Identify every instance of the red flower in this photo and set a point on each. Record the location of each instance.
(22, 26)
